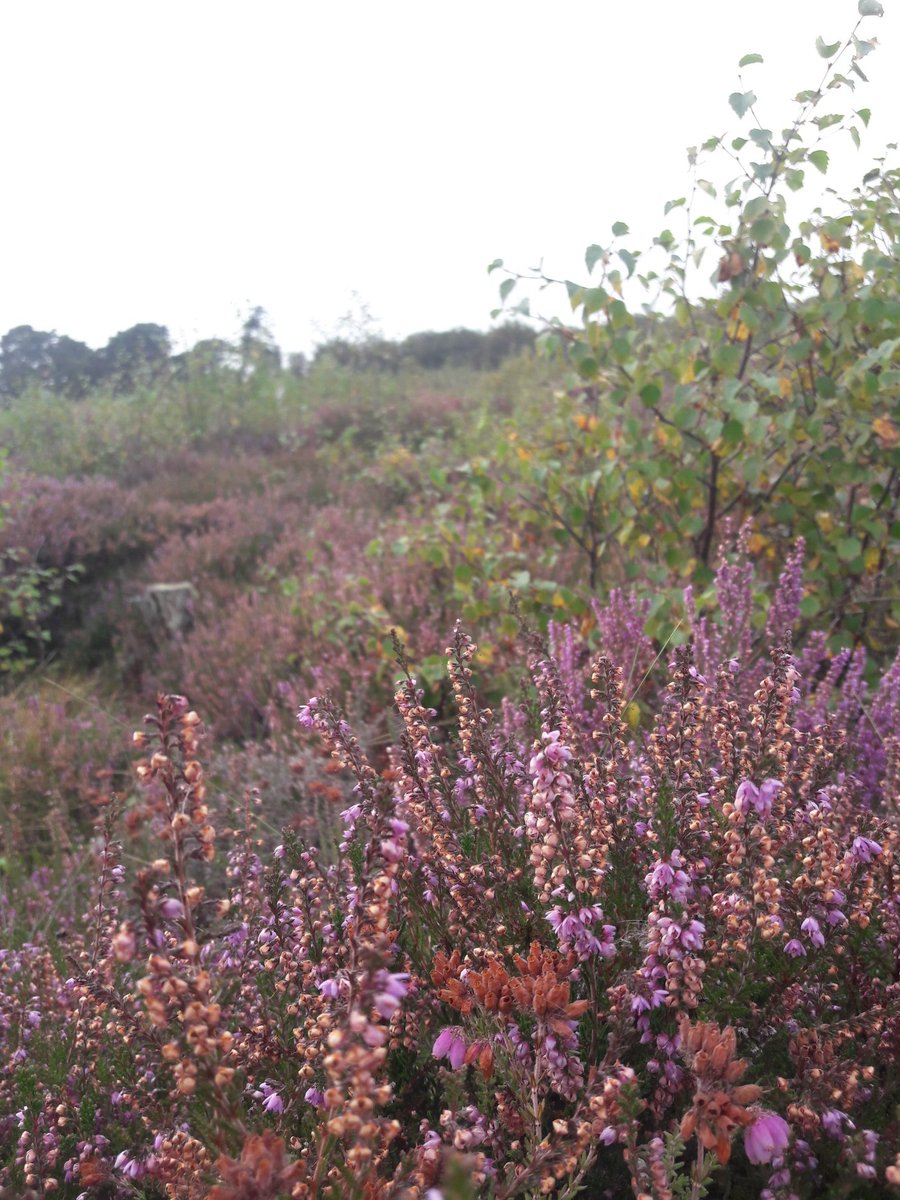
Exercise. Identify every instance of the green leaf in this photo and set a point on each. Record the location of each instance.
(870, 8)
(650, 394)
(592, 256)
(826, 50)
(742, 101)
(629, 260)
(595, 300)
(865, 115)
(726, 359)
(763, 230)
(762, 137)
(848, 548)
(750, 58)
(794, 179)
(495, 265)
(670, 204)
(506, 287)
(619, 229)
(732, 432)
(819, 159)
(705, 186)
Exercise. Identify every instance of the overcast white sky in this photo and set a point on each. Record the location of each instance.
(180, 160)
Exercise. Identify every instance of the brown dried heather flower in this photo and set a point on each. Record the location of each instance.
(771, 733)
(718, 1107)
(261, 1173)
(182, 1166)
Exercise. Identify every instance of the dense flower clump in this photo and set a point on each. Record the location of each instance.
(556, 949)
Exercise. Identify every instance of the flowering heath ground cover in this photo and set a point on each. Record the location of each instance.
(544, 950)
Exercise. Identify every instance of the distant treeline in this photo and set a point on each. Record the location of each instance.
(32, 358)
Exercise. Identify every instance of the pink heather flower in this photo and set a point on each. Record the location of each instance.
(767, 1137)
(795, 949)
(450, 1044)
(170, 908)
(669, 876)
(306, 715)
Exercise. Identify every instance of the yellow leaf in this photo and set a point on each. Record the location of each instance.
(485, 656)
(524, 455)
(738, 330)
(829, 244)
(610, 454)
(687, 375)
(886, 431)
(558, 600)
(633, 714)
(784, 387)
(871, 559)
(516, 541)
(757, 543)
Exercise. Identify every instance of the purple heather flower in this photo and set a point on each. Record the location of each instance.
(170, 908)
(314, 1096)
(390, 991)
(864, 849)
(795, 949)
(812, 928)
(748, 796)
(306, 715)
(330, 988)
(832, 1120)
(132, 1168)
(450, 1044)
(767, 1137)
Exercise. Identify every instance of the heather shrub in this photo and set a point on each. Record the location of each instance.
(542, 953)
(63, 757)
